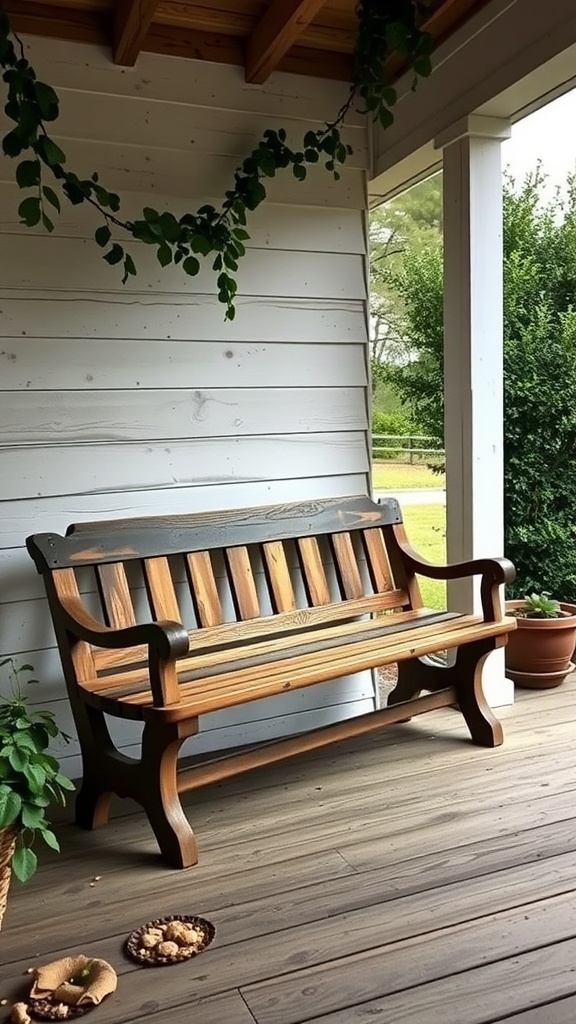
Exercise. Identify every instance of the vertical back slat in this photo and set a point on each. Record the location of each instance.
(115, 595)
(347, 565)
(204, 590)
(279, 579)
(378, 563)
(242, 583)
(313, 571)
(160, 588)
(404, 577)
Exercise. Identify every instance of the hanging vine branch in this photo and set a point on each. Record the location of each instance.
(216, 235)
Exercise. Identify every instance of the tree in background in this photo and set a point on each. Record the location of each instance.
(411, 222)
(539, 376)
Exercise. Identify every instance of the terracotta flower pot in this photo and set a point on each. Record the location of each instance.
(539, 652)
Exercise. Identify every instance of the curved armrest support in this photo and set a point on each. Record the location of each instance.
(494, 572)
(169, 640)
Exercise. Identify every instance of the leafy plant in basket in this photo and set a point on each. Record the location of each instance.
(30, 778)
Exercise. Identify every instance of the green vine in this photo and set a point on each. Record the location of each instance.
(219, 235)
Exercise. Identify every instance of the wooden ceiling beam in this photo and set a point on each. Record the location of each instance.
(276, 32)
(131, 23)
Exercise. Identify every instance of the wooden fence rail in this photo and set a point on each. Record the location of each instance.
(405, 447)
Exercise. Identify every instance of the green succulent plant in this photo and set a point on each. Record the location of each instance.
(30, 778)
(539, 606)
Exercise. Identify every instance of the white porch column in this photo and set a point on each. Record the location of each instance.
(473, 371)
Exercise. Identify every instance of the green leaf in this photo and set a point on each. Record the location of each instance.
(36, 778)
(51, 196)
(65, 783)
(164, 254)
(49, 152)
(102, 194)
(102, 235)
(24, 740)
(74, 193)
(47, 222)
(144, 232)
(19, 759)
(32, 815)
(129, 268)
(299, 172)
(201, 244)
(28, 175)
(50, 839)
(170, 228)
(423, 66)
(115, 255)
(48, 723)
(11, 144)
(10, 806)
(191, 266)
(47, 101)
(24, 863)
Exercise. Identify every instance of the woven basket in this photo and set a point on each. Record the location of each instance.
(7, 844)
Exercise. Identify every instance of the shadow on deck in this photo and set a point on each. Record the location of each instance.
(410, 877)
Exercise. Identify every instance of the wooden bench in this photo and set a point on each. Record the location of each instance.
(166, 619)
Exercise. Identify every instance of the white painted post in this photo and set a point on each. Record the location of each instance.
(473, 364)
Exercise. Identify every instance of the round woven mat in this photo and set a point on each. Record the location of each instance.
(148, 957)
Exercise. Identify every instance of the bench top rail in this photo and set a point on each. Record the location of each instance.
(120, 540)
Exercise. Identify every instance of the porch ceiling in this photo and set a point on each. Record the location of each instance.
(311, 37)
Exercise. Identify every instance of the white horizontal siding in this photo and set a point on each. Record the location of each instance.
(120, 401)
(132, 363)
(272, 225)
(29, 417)
(187, 318)
(273, 272)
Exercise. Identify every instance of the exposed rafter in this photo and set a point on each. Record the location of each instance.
(131, 23)
(276, 32)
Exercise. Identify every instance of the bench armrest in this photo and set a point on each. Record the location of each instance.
(166, 641)
(169, 639)
(494, 572)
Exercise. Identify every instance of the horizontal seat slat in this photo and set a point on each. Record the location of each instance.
(205, 663)
(237, 686)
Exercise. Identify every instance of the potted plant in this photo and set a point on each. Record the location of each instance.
(30, 780)
(539, 652)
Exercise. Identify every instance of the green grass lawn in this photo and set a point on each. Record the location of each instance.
(391, 476)
(426, 529)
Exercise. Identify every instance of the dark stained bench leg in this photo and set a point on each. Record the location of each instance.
(151, 781)
(158, 792)
(484, 727)
(465, 675)
(93, 798)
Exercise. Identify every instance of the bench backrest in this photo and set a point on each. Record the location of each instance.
(226, 573)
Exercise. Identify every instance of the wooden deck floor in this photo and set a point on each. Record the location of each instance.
(409, 878)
